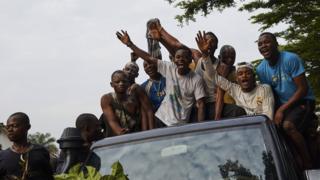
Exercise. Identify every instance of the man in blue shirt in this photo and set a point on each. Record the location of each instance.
(285, 73)
(155, 88)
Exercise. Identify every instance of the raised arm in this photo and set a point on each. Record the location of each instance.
(219, 103)
(204, 45)
(157, 32)
(125, 39)
(110, 116)
(210, 72)
(172, 44)
(222, 70)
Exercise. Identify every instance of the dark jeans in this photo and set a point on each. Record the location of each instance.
(159, 123)
(301, 114)
(229, 110)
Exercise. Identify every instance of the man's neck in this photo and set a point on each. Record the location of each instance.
(121, 96)
(274, 59)
(156, 77)
(21, 145)
(250, 89)
(183, 72)
(212, 57)
(132, 81)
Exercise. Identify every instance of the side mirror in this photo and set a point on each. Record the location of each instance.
(313, 174)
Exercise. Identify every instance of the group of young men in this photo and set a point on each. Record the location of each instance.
(196, 86)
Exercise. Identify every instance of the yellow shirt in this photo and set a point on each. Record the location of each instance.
(227, 98)
(192, 66)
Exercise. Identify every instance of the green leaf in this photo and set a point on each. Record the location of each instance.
(92, 173)
(75, 170)
(116, 168)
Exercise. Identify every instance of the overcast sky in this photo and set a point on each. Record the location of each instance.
(56, 56)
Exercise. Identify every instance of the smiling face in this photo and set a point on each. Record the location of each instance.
(268, 46)
(119, 82)
(182, 59)
(246, 79)
(150, 69)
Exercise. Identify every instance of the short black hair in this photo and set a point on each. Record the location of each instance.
(213, 35)
(273, 37)
(186, 48)
(224, 47)
(21, 116)
(117, 72)
(84, 120)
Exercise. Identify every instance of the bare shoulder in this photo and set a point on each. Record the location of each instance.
(137, 89)
(106, 99)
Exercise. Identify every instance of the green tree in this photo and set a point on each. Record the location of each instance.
(45, 140)
(302, 32)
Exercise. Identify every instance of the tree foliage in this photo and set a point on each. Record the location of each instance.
(205, 7)
(235, 170)
(90, 173)
(45, 140)
(302, 20)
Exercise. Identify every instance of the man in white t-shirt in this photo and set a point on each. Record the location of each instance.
(184, 88)
(252, 97)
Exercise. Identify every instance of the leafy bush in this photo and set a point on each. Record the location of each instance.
(75, 173)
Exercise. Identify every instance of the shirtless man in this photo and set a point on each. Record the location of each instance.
(147, 115)
(121, 110)
(184, 88)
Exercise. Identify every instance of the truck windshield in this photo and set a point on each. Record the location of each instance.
(236, 153)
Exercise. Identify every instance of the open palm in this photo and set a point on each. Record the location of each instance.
(202, 42)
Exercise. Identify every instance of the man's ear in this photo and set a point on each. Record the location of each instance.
(237, 79)
(28, 126)
(111, 84)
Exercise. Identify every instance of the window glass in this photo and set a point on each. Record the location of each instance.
(237, 153)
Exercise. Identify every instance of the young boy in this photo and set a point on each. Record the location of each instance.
(121, 110)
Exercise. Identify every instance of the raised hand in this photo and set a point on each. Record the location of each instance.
(134, 57)
(203, 43)
(123, 37)
(154, 29)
